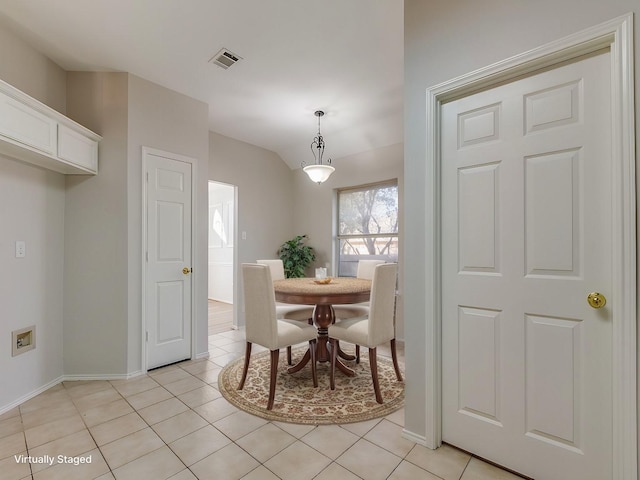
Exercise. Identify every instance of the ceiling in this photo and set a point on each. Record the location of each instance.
(341, 56)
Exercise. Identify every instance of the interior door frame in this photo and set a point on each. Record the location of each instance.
(616, 35)
(146, 151)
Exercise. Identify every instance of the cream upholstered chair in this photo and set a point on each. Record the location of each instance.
(365, 270)
(373, 329)
(285, 310)
(263, 328)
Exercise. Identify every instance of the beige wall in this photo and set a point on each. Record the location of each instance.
(443, 40)
(96, 259)
(28, 70)
(166, 120)
(265, 201)
(32, 204)
(313, 212)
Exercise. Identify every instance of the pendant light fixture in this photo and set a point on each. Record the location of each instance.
(318, 172)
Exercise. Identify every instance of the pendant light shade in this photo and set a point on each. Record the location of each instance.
(318, 172)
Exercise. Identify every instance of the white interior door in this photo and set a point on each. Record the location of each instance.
(169, 261)
(526, 236)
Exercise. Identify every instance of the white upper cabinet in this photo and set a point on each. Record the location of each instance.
(34, 133)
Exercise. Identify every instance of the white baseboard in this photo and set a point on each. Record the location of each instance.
(202, 355)
(30, 395)
(414, 437)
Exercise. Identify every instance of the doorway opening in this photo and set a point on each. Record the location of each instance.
(221, 265)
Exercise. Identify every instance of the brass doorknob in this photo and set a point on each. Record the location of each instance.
(596, 300)
(186, 270)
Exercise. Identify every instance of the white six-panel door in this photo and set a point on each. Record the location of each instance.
(168, 260)
(526, 236)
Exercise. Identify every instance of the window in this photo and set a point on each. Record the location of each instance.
(367, 225)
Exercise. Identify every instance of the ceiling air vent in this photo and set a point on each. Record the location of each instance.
(224, 58)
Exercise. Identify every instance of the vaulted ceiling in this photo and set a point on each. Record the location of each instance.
(297, 56)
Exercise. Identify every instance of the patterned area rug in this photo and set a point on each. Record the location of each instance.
(297, 401)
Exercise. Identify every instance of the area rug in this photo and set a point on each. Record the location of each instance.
(297, 401)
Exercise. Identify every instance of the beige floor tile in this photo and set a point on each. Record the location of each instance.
(335, 472)
(95, 466)
(49, 398)
(479, 470)
(199, 366)
(228, 463)
(220, 340)
(106, 412)
(209, 376)
(80, 388)
(408, 471)
(177, 427)
(369, 461)
(131, 447)
(183, 475)
(106, 476)
(330, 440)
(87, 402)
(445, 462)
(12, 445)
(361, 428)
(133, 386)
(222, 360)
(197, 445)
(215, 410)
(162, 410)
(12, 469)
(295, 429)
(266, 441)
(298, 461)
(397, 417)
(157, 465)
(72, 445)
(14, 412)
(148, 397)
(171, 376)
(61, 409)
(388, 435)
(159, 371)
(199, 396)
(184, 385)
(239, 424)
(117, 428)
(261, 473)
(11, 426)
(59, 428)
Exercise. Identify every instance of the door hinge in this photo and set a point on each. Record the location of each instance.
(146, 254)
(147, 177)
(146, 336)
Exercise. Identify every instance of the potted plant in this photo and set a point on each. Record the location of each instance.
(296, 256)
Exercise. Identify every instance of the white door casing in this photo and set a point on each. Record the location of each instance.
(526, 235)
(617, 36)
(168, 306)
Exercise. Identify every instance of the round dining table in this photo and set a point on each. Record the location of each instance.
(309, 291)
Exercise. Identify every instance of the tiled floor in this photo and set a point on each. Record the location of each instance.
(173, 423)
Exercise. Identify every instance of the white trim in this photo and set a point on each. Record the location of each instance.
(193, 162)
(616, 34)
(30, 395)
(202, 355)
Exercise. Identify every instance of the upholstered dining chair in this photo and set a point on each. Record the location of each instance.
(365, 270)
(284, 310)
(373, 329)
(263, 328)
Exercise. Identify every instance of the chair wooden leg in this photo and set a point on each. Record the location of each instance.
(357, 353)
(394, 356)
(275, 355)
(332, 369)
(289, 362)
(312, 350)
(373, 360)
(247, 356)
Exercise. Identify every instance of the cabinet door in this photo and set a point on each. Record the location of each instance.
(77, 149)
(23, 124)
